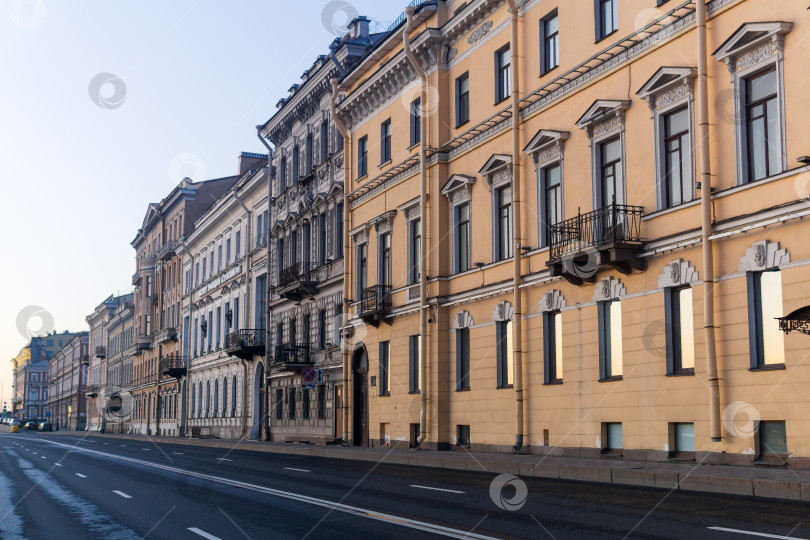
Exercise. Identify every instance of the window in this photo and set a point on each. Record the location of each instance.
(549, 43)
(224, 396)
(227, 252)
(610, 340)
(279, 404)
(504, 223)
(216, 397)
(219, 257)
(293, 331)
(462, 240)
(551, 179)
(207, 399)
(261, 302)
(339, 230)
(610, 170)
(463, 435)
(772, 439)
(324, 141)
(414, 365)
(305, 403)
(612, 436)
(762, 125)
(677, 158)
(385, 141)
(766, 341)
(362, 157)
(322, 401)
(505, 365)
(233, 396)
(291, 403)
(384, 251)
(462, 359)
(309, 148)
(322, 329)
(307, 329)
(606, 18)
(219, 325)
(682, 439)
(322, 238)
(385, 376)
(415, 251)
(680, 332)
(282, 177)
(552, 348)
(463, 99)
(502, 84)
(362, 269)
(416, 125)
(296, 168)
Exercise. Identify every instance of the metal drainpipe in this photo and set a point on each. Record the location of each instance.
(347, 174)
(517, 318)
(706, 222)
(267, 349)
(423, 105)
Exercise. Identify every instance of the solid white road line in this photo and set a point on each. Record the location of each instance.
(58, 464)
(437, 489)
(751, 533)
(80, 475)
(223, 459)
(121, 493)
(204, 534)
(124, 445)
(147, 449)
(294, 469)
(297, 497)
(178, 453)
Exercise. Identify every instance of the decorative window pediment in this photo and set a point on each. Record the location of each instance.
(411, 209)
(677, 273)
(503, 312)
(604, 116)
(752, 43)
(609, 289)
(546, 145)
(497, 169)
(382, 224)
(463, 319)
(552, 301)
(360, 233)
(458, 188)
(763, 256)
(667, 85)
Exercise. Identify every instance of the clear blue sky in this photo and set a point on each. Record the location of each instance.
(77, 177)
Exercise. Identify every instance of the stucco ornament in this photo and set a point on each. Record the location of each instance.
(763, 255)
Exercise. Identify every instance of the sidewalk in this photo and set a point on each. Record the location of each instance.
(754, 481)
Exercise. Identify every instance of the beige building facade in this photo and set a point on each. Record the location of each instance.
(607, 188)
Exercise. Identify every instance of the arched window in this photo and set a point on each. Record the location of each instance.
(193, 401)
(225, 396)
(207, 398)
(233, 396)
(175, 405)
(199, 401)
(216, 397)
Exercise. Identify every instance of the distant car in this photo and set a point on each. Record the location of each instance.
(15, 426)
(45, 426)
(30, 425)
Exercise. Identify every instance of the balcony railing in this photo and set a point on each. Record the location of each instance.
(173, 365)
(246, 344)
(375, 303)
(144, 343)
(136, 279)
(101, 352)
(298, 272)
(609, 235)
(166, 335)
(293, 356)
(169, 249)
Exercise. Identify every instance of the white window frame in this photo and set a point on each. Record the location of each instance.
(604, 120)
(546, 150)
(458, 191)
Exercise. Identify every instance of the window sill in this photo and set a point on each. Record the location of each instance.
(359, 178)
(605, 36)
(501, 100)
(414, 145)
(464, 123)
(416, 393)
(463, 389)
(682, 373)
(505, 387)
(546, 72)
(664, 211)
(553, 382)
(768, 367)
(612, 378)
(386, 394)
(384, 164)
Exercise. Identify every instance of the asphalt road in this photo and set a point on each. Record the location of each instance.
(66, 486)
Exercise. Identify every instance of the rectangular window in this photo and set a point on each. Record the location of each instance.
(296, 167)
(502, 82)
(385, 141)
(219, 257)
(322, 238)
(219, 326)
(279, 403)
(683, 438)
(606, 17)
(680, 331)
(227, 252)
(291, 402)
(462, 359)
(610, 340)
(362, 269)
(766, 341)
(324, 141)
(677, 158)
(305, 403)
(504, 223)
(463, 99)
(322, 329)
(549, 43)
(308, 150)
(772, 439)
(384, 250)
(416, 125)
(505, 364)
(415, 251)
(238, 245)
(261, 302)
(414, 352)
(551, 178)
(614, 439)
(610, 171)
(463, 238)
(362, 157)
(322, 401)
(385, 374)
(282, 177)
(339, 230)
(762, 125)
(552, 348)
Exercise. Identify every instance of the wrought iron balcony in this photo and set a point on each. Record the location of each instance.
(143, 343)
(610, 236)
(101, 352)
(91, 390)
(166, 335)
(298, 281)
(169, 250)
(173, 365)
(375, 304)
(246, 344)
(292, 356)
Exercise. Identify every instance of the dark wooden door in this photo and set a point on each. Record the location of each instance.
(338, 411)
(361, 408)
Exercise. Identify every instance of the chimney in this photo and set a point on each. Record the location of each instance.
(251, 160)
(359, 27)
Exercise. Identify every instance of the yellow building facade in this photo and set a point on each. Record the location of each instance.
(608, 189)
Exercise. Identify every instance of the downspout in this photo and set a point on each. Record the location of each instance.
(247, 292)
(517, 331)
(267, 348)
(423, 106)
(347, 173)
(706, 222)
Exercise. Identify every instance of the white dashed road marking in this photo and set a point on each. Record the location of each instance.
(223, 459)
(437, 489)
(294, 469)
(80, 475)
(121, 493)
(204, 534)
(750, 533)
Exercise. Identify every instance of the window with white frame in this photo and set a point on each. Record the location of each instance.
(546, 149)
(604, 124)
(754, 55)
(458, 191)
